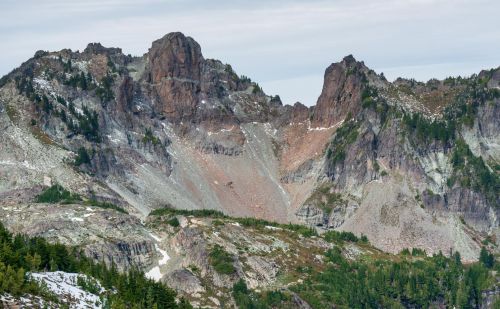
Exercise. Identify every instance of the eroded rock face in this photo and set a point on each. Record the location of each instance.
(341, 94)
(175, 64)
(104, 235)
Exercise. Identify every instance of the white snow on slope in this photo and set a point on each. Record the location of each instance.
(65, 286)
(155, 273)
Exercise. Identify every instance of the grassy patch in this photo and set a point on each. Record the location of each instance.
(40, 135)
(12, 113)
(221, 260)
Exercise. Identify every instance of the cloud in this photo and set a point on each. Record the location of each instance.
(274, 42)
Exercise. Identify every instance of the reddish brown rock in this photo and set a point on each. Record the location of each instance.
(341, 92)
(300, 113)
(175, 63)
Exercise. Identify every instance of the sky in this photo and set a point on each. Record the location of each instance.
(285, 46)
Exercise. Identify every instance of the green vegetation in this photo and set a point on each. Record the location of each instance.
(173, 222)
(344, 136)
(471, 94)
(221, 260)
(486, 258)
(88, 284)
(67, 66)
(86, 82)
(57, 194)
(256, 88)
(247, 222)
(61, 101)
(82, 157)
(427, 130)
(111, 65)
(372, 280)
(382, 283)
(169, 211)
(82, 81)
(340, 237)
(245, 79)
(25, 86)
(105, 205)
(150, 138)
(260, 223)
(368, 97)
(472, 172)
(20, 254)
(229, 69)
(247, 299)
(89, 125)
(104, 91)
(324, 199)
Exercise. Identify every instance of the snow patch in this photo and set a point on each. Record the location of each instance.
(155, 273)
(158, 239)
(273, 228)
(65, 286)
(324, 128)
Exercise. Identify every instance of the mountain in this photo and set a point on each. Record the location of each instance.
(406, 163)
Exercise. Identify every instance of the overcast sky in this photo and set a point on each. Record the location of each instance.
(283, 45)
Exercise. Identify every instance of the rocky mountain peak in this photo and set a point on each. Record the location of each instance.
(349, 60)
(175, 56)
(341, 94)
(97, 49)
(175, 64)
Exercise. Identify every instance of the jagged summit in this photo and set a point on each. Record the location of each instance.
(97, 48)
(175, 56)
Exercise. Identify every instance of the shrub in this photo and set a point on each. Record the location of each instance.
(335, 236)
(150, 138)
(221, 260)
(88, 284)
(56, 194)
(486, 258)
(104, 91)
(418, 252)
(173, 222)
(82, 157)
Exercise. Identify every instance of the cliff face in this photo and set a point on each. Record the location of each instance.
(341, 94)
(175, 64)
(406, 163)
